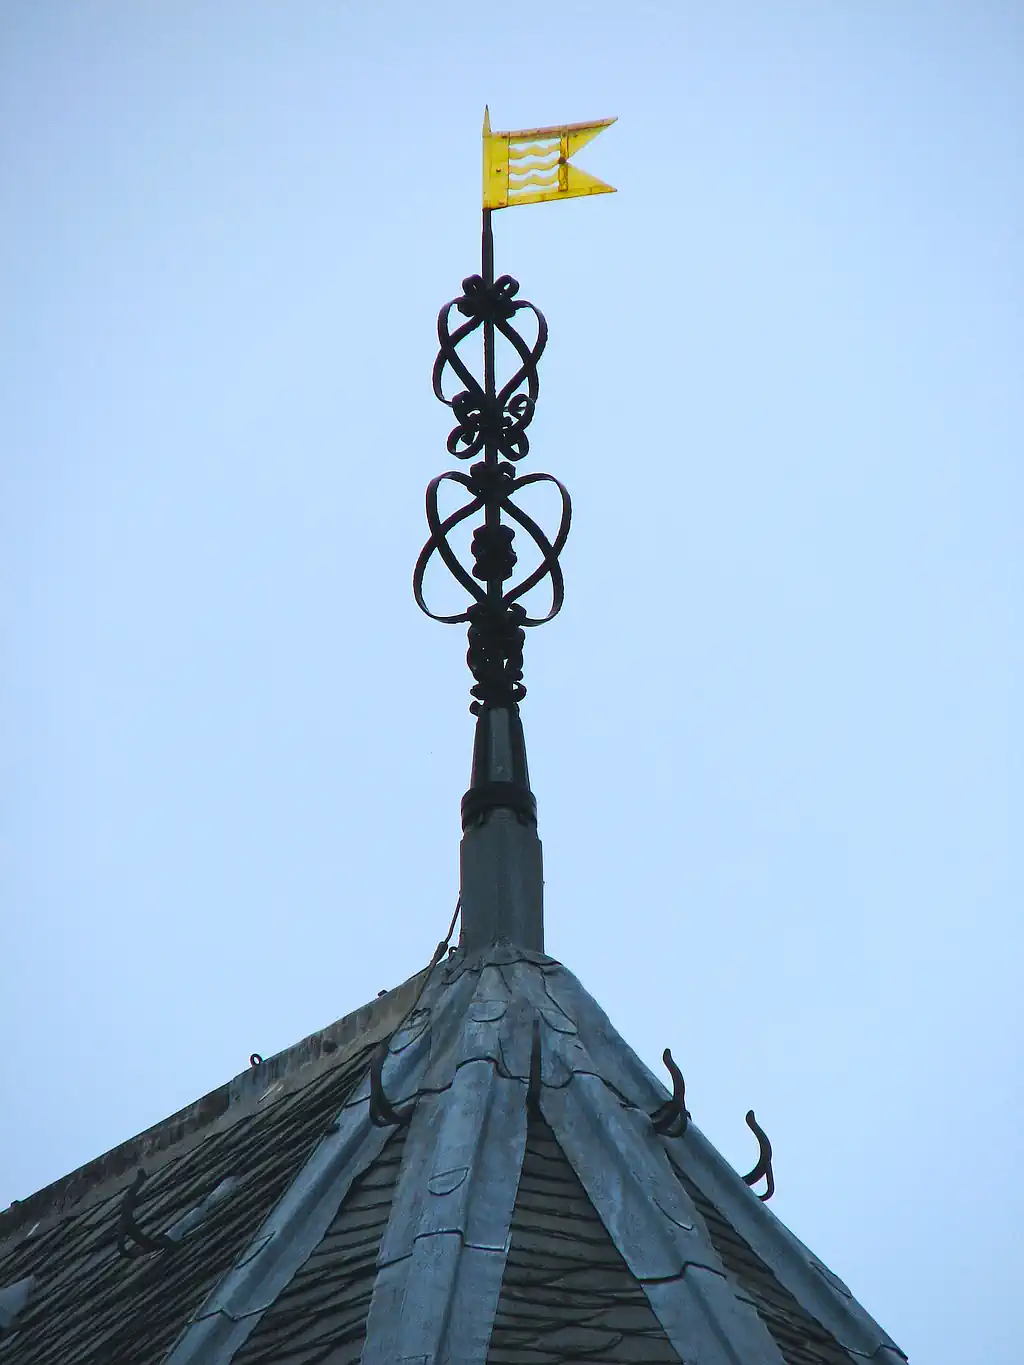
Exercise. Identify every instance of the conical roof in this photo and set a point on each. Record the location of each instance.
(467, 1170)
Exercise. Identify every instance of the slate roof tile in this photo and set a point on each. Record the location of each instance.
(135, 1309)
(488, 1230)
(567, 1293)
(93, 1306)
(323, 1310)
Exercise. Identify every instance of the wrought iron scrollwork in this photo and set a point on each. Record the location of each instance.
(487, 418)
(492, 421)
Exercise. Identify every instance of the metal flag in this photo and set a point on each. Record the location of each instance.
(534, 164)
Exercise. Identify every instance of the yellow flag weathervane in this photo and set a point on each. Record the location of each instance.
(534, 164)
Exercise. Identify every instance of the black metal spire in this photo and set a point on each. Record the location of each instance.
(501, 860)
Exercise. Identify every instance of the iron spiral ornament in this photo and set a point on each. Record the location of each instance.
(491, 422)
(487, 418)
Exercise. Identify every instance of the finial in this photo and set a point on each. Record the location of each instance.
(502, 882)
(501, 873)
(495, 424)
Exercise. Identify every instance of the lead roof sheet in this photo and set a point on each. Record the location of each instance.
(446, 1241)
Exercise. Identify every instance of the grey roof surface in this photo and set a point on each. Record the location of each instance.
(88, 1304)
(566, 1289)
(321, 1308)
(525, 1213)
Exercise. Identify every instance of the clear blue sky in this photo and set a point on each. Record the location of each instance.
(775, 733)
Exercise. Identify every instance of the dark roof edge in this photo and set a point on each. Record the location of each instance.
(330, 1046)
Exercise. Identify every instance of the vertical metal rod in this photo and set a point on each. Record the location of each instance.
(487, 250)
(492, 511)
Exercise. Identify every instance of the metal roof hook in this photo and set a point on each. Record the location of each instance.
(128, 1228)
(763, 1169)
(382, 1112)
(671, 1118)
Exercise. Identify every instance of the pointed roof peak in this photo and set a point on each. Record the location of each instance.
(412, 1195)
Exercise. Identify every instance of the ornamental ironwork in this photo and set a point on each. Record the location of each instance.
(492, 422)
